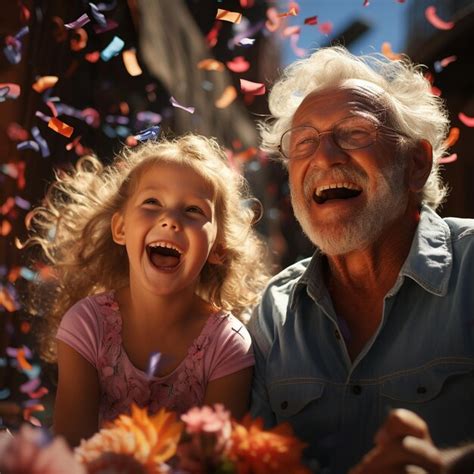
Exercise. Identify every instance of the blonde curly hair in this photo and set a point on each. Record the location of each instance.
(72, 227)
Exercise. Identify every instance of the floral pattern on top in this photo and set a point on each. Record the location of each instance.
(122, 383)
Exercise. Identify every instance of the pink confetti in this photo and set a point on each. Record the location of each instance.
(39, 393)
(291, 30)
(81, 21)
(30, 386)
(326, 28)
(13, 90)
(253, 88)
(366, 3)
(450, 59)
(436, 21)
(449, 159)
(238, 64)
(176, 104)
(299, 52)
(466, 120)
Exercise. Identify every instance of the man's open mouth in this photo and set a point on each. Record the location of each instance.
(163, 254)
(335, 191)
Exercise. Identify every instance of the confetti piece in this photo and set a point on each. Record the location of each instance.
(299, 52)
(311, 20)
(28, 145)
(150, 117)
(246, 41)
(153, 363)
(16, 132)
(13, 47)
(290, 12)
(42, 116)
(449, 159)
(325, 28)
(452, 137)
(5, 229)
(253, 88)
(440, 65)
(110, 25)
(226, 15)
(41, 392)
(44, 82)
(131, 63)
(31, 385)
(227, 97)
(210, 65)
(291, 30)
(466, 120)
(10, 90)
(150, 133)
(211, 37)
(112, 49)
(90, 116)
(22, 362)
(98, 16)
(4, 393)
(92, 57)
(52, 107)
(60, 127)
(22, 203)
(386, 50)
(41, 142)
(238, 64)
(176, 104)
(436, 21)
(366, 3)
(79, 40)
(81, 21)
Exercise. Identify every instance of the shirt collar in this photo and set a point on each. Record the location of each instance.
(429, 261)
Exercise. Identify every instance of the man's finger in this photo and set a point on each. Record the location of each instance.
(401, 423)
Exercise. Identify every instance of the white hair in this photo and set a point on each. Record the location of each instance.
(412, 107)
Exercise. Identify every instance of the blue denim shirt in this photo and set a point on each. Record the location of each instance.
(420, 358)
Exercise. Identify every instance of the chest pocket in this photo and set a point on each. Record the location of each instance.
(441, 393)
(289, 399)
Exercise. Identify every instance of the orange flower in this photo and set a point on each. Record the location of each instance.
(256, 451)
(150, 441)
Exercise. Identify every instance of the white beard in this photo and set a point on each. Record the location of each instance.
(385, 204)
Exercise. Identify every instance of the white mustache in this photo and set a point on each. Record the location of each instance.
(316, 175)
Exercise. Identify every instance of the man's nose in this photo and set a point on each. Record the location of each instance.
(328, 153)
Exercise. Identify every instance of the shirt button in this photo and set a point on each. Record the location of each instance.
(356, 389)
(337, 334)
(284, 405)
(421, 390)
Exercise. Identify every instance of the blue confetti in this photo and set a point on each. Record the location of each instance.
(112, 49)
(4, 393)
(28, 145)
(98, 17)
(153, 363)
(148, 134)
(41, 142)
(28, 274)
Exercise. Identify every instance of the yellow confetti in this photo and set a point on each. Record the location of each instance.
(227, 97)
(44, 82)
(129, 57)
(226, 15)
(211, 65)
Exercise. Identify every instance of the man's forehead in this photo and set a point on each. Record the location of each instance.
(353, 94)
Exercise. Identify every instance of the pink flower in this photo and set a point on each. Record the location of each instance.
(26, 452)
(208, 420)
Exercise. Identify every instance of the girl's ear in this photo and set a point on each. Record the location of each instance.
(217, 255)
(118, 228)
(421, 161)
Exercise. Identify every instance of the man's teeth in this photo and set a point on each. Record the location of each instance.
(321, 189)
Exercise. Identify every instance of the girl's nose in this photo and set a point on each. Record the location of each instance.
(169, 220)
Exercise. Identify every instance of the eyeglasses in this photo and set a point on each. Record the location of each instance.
(350, 133)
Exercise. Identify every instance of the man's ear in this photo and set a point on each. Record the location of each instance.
(217, 255)
(118, 228)
(419, 167)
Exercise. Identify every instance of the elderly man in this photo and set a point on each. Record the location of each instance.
(382, 315)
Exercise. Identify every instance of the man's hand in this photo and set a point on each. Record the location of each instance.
(402, 445)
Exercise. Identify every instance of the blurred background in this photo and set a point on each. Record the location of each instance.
(133, 64)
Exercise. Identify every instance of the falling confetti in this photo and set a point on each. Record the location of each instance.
(227, 97)
(466, 120)
(238, 64)
(210, 65)
(433, 18)
(226, 15)
(176, 104)
(131, 63)
(60, 127)
(112, 49)
(81, 21)
(252, 88)
(44, 82)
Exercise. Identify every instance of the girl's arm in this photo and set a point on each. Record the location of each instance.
(233, 391)
(76, 407)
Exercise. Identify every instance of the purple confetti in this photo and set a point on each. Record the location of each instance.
(23, 203)
(30, 386)
(111, 25)
(28, 145)
(42, 116)
(148, 134)
(41, 142)
(150, 117)
(176, 104)
(81, 21)
(153, 363)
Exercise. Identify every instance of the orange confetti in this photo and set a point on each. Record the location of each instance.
(226, 15)
(210, 65)
(5, 228)
(29, 410)
(436, 21)
(21, 358)
(466, 120)
(129, 57)
(60, 127)
(25, 327)
(253, 88)
(92, 57)
(290, 12)
(79, 39)
(44, 82)
(227, 97)
(388, 52)
(452, 138)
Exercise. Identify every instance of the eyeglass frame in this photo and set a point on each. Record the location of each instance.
(377, 127)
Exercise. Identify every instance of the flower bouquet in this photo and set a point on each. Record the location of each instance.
(205, 440)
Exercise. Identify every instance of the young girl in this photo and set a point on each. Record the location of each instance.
(152, 253)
